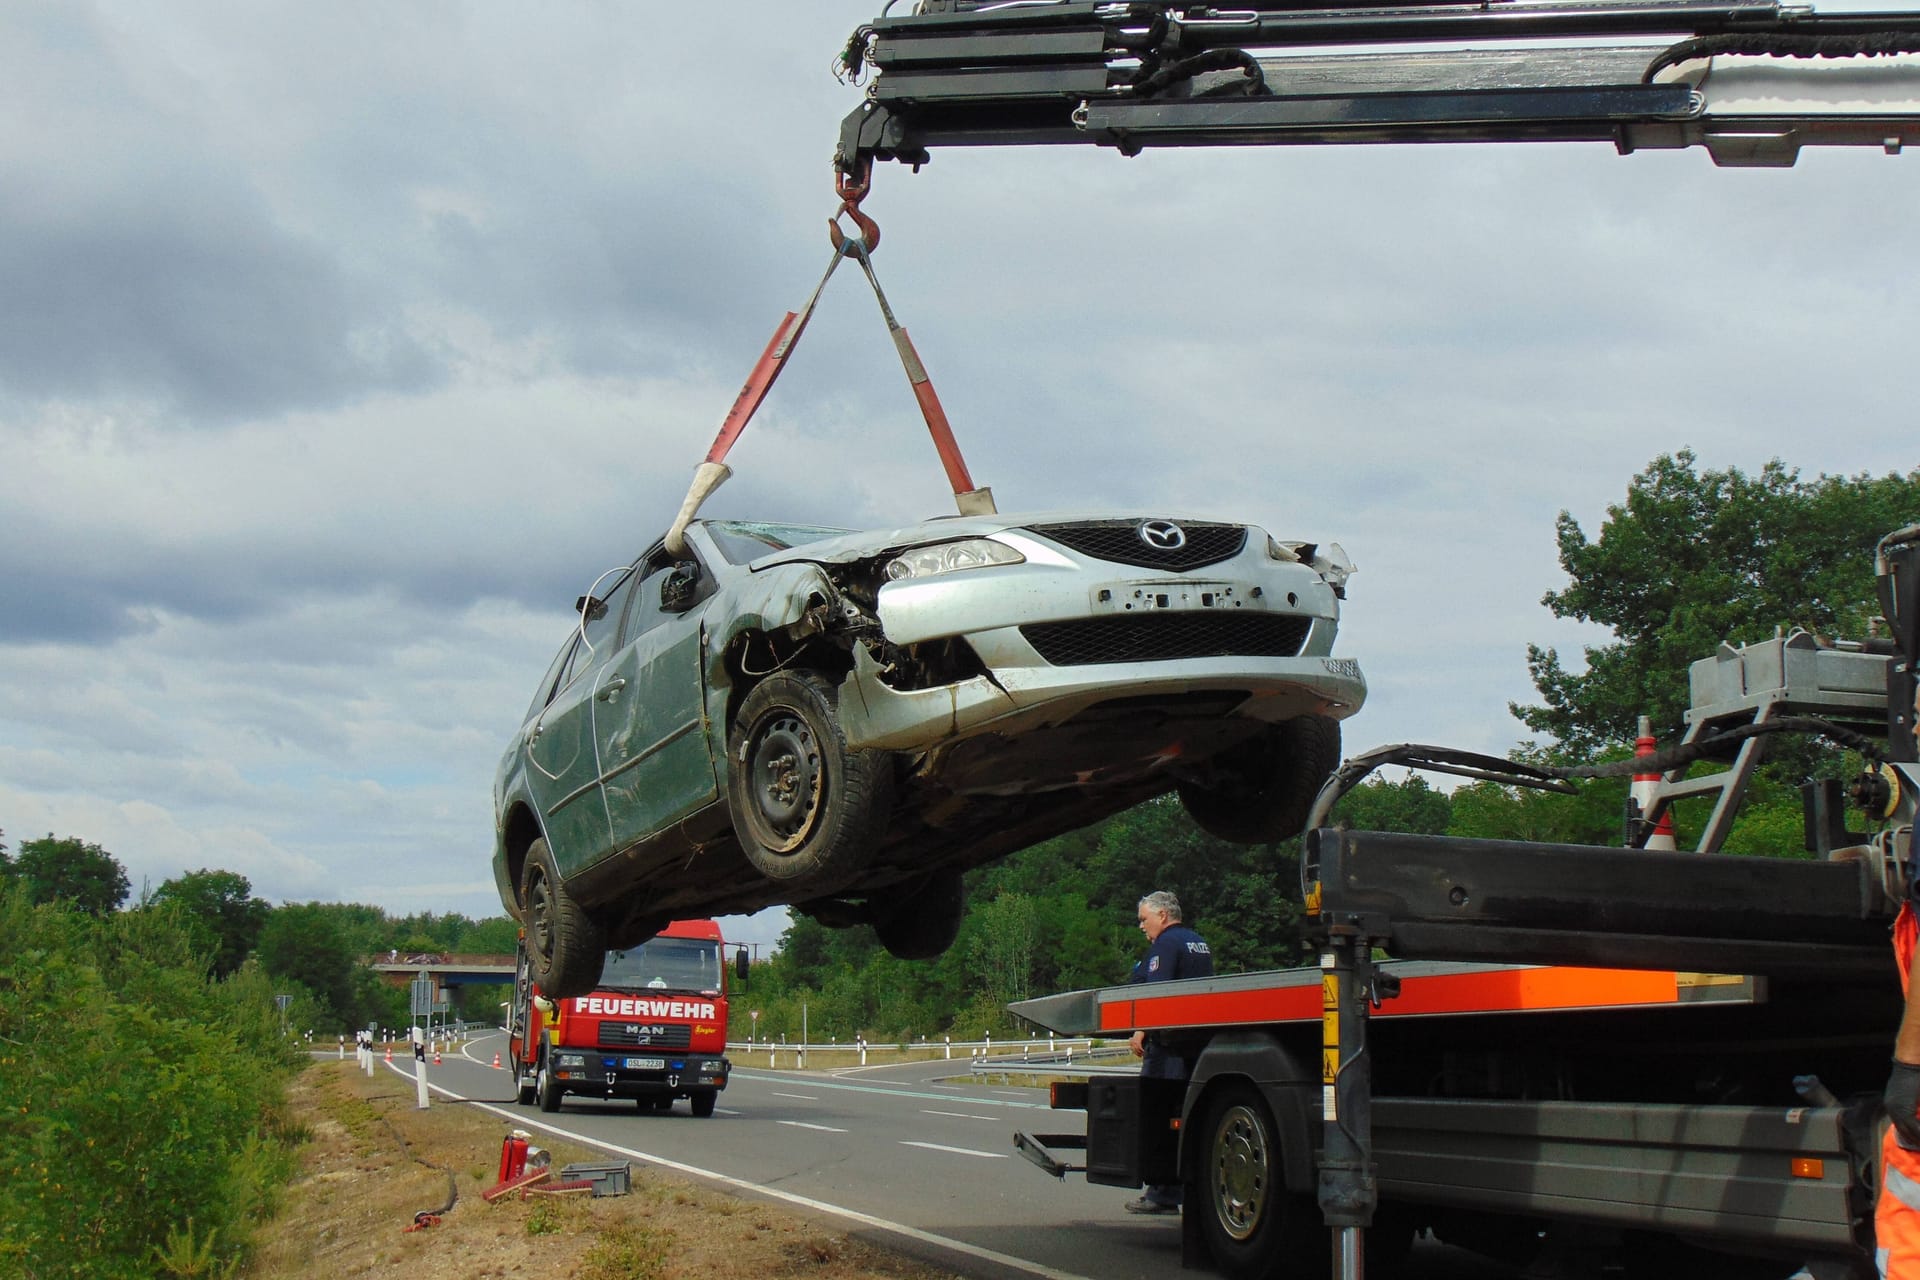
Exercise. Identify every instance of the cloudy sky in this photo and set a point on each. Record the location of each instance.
(342, 346)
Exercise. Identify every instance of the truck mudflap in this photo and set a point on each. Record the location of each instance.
(1132, 1137)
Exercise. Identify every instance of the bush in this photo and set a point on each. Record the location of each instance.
(143, 1098)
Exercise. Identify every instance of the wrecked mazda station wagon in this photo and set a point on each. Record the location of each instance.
(844, 722)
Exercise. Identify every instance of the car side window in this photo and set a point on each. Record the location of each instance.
(600, 632)
(551, 681)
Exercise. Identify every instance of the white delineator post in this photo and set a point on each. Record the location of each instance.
(419, 1069)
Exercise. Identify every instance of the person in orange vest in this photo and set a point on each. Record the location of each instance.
(1896, 1217)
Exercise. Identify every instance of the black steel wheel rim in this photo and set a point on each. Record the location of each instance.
(784, 772)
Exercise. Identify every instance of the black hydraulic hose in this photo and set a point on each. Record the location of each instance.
(1686, 753)
(1781, 44)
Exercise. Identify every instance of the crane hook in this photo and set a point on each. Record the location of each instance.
(852, 188)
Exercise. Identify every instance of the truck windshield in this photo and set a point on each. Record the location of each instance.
(664, 964)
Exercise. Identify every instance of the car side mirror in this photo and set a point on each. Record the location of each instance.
(676, 592)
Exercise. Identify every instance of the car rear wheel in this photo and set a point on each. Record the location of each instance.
(922, 921)
(565, 948)
(808, 809)
(1263, 789)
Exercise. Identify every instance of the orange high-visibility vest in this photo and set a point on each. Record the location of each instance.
(1896, 1218)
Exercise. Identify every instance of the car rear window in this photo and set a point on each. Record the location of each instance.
(744, 541)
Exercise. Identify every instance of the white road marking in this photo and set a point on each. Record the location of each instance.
(802, 1124)
(958, 1115)
(1014, 1093)
(959, 1151)
(804, 1097)
(722, 1111)
(521, 1119)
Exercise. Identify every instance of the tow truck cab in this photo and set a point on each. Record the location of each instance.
(653, 1030)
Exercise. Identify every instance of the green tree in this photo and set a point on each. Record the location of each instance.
(1693, 558)
(222, 909)
(74, 871)
(496, 935)
(1410, 805)
(298, 943)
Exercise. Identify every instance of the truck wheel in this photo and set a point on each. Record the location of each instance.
(546, 1088)
(1263, 789)
(808, 809)
(703, 1103)
(922, 921)
(1251, 1223)
(524, 1083)
(565, 948)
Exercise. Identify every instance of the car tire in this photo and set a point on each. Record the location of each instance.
(924, 919)
(565, 948)
(808, 810)
(703, 1103)
(547, 1091)
(1251, 1224)
(1264, 788)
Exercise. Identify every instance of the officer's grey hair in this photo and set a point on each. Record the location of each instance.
(1161, 900)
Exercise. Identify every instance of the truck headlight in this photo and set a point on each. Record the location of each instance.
(951, 557)
(570, 1060)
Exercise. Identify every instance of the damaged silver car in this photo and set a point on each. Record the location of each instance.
(844, 722)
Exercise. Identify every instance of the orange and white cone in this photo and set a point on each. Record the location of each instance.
(389, 1053)
(1646, 786)
(436, 1057)
(496, 1062)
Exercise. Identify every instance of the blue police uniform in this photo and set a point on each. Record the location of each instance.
(1178, 952)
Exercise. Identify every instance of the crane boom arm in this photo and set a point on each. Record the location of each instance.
(1750, 81)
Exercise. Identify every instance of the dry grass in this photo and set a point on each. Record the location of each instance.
(368, 1170)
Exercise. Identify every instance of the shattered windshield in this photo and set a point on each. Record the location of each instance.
(744, 541)
(664, 964)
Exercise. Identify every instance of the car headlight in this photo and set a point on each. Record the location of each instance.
(951, 557)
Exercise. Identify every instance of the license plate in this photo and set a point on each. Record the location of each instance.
(1151, 597)
(646, 1064)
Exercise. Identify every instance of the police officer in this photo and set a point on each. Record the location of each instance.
(1173, 951)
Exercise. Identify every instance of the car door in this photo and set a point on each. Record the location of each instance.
(650, 725)
(563, 766)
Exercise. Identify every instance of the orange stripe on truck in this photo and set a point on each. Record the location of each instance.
(1501, 991)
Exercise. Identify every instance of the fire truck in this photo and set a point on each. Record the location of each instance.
(653, 1030)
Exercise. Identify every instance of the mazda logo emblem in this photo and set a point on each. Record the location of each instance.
(1162, 535)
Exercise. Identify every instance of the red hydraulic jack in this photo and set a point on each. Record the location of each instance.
(714, 471)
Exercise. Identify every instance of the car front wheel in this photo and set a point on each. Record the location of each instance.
(808, 809)
(1263, 789)
(565, 948)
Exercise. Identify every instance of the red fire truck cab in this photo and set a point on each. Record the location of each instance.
(654, 1029)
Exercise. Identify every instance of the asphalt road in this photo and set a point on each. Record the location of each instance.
(904, 1154)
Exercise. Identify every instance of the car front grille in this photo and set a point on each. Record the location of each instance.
(625, 1035)
(1119, 541)
(1160, 637)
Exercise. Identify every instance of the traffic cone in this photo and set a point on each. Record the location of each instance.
(436, 1057)
(496, 1062)
(1646, 786)
(389, 1053)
